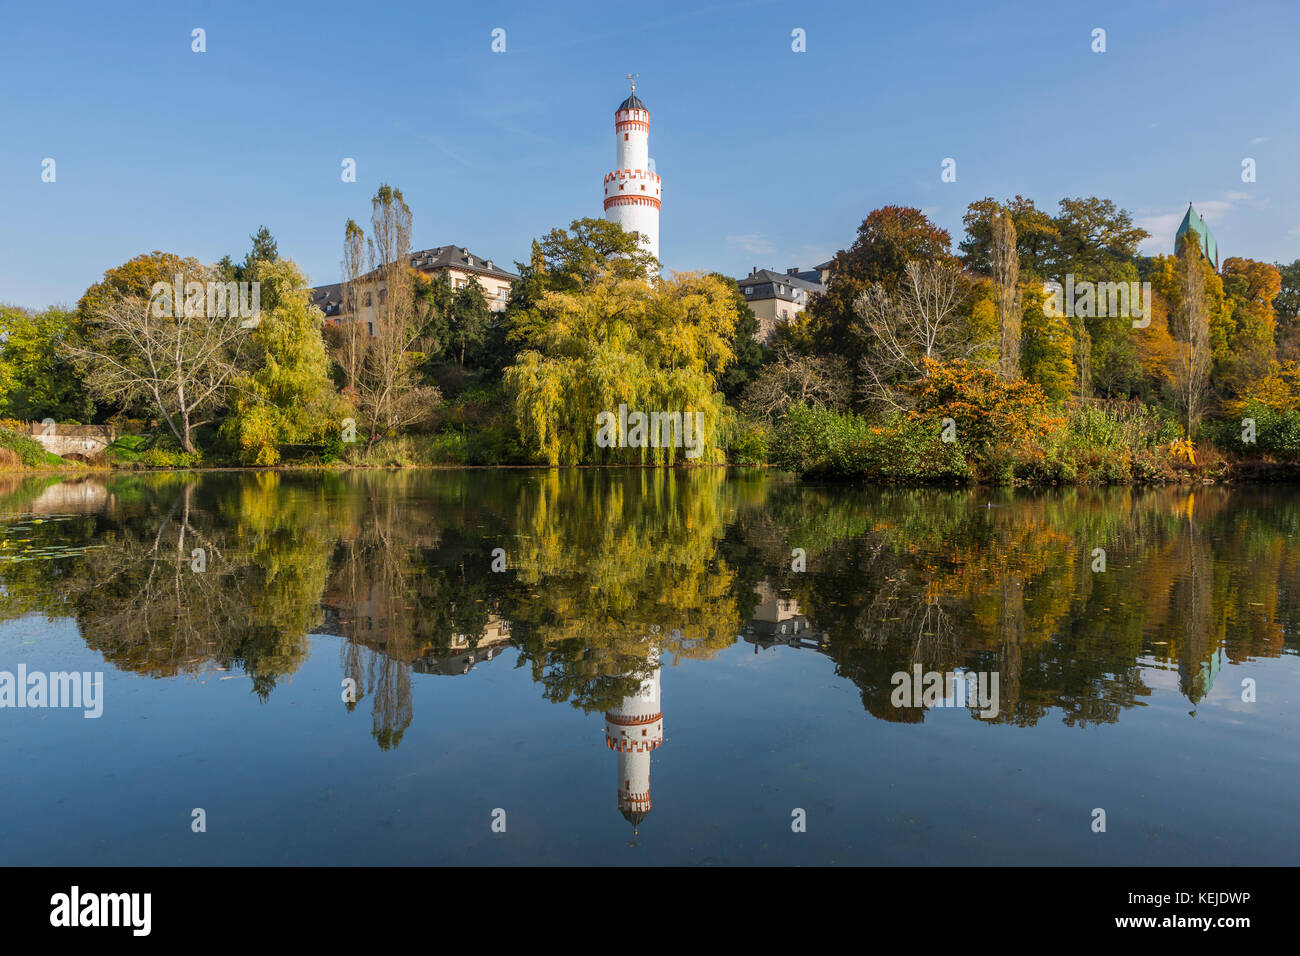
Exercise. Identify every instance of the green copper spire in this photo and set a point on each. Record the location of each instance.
(1205, 239)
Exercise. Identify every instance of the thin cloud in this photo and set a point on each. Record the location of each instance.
(1163, 226)
(758, 245)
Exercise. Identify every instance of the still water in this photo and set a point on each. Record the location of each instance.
(645, 667)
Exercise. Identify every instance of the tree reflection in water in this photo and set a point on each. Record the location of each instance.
(608, 570)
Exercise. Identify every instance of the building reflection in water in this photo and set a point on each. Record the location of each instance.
(459, 657)
(780, 620)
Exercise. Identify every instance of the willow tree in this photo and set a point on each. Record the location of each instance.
(621, 343)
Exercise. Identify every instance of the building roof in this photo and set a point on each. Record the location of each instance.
(457, 257)
(1208, 244)
(633, 102)
(791, 286)
(329, 298)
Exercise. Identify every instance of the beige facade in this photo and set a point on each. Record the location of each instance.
(496, 289)
(771, 313)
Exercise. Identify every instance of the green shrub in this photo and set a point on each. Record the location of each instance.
(817, 442)
(157, 457)
(1277, 433)
(28, 451)
(747, 442)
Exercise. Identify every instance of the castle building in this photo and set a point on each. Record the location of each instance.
(632, 189)
(459, 263)
(776, 298)
(1209, 246)
(633, 729)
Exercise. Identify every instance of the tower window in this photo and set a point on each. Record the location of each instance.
(625, 137)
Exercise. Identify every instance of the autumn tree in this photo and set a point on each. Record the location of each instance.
(37, 378)
(750, 354)
(887, 240)
(991, 415)
(1004, 264)
(566, 260)
(1250, 289)
(818, 381)
(1036, 235)
(287, 396)
(1287, 307)
(1047, 346)
(174, 357)
(926, 318)
(1191, 329)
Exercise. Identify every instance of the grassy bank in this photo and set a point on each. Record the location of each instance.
(21, 453)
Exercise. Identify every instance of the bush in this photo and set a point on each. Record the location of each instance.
(28, 451)
(165, 458)
(1277, 433)
(746, 441)
(817, 442)
(997, 421)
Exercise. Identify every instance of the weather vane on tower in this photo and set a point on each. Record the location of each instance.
(631, 77)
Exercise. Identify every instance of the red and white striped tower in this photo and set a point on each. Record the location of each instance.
(632, 190)
(633, 729)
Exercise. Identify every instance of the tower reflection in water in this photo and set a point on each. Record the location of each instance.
(633, 729)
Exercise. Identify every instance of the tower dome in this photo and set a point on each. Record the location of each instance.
(633, 189)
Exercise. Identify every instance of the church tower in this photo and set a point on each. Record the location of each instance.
(633, 729)
(632, 189)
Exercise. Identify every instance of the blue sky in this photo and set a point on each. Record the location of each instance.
(768, 157)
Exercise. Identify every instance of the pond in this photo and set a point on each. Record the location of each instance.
(644, 667)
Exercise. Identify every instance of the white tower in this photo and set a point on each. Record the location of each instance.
(633, 729)
(632, 190)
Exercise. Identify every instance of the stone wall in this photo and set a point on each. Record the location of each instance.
(67, 439)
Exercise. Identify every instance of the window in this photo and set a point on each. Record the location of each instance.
(748, 289)
(625, 137)
(383, 296)
(367, 300)
(370, 327)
